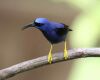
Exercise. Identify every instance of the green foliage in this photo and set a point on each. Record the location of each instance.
(87, 24)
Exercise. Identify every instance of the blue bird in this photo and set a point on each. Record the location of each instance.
(53, 31)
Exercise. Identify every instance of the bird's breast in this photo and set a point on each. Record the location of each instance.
(53, 37)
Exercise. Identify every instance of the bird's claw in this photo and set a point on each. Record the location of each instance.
(65, 54)
(50, 58)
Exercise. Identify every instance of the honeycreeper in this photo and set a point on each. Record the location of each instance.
(53, 31)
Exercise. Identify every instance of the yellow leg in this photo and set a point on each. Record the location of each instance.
(50, 55)
(65, 51)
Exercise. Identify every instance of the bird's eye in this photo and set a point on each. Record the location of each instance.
(38, 24)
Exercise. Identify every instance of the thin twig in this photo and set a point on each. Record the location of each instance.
(42, 61)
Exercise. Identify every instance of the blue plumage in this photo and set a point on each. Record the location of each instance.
(53, 31)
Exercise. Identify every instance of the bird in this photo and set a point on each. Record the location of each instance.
(54, 32)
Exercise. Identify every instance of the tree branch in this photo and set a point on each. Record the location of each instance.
(42, 61)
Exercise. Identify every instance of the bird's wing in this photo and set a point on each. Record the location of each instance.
(66, 27)
(63, 30)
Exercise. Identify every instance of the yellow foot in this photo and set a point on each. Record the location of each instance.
(50, 58)
(65, 54)
(65, 51)
(50, 55)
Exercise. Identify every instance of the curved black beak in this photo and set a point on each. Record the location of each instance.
(28, 25)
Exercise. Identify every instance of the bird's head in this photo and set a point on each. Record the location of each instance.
(38, 23)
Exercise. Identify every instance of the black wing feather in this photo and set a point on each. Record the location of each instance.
(62, 31)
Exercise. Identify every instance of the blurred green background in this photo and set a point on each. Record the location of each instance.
(82, 16)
